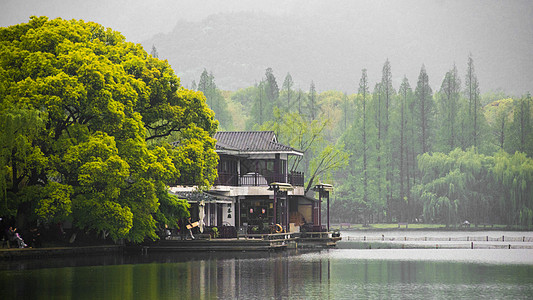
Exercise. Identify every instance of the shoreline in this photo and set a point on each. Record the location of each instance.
(472, 228)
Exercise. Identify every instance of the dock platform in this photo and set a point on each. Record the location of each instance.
(247, 242)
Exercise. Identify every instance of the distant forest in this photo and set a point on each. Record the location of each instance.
(398, 154)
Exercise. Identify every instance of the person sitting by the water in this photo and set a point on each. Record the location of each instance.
(167, 233)
(14, 236)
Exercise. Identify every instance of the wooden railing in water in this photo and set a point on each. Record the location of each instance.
(441, 239)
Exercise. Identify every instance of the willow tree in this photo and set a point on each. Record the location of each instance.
(513, 176)
(84, 113)
(455, 186)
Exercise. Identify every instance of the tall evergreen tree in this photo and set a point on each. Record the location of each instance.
(424, 110)
(271, 87)
(363, 94)
(377, 99)
(521, 133)
(312, 102)
(448, 111)
(405, 95)
(387, 93)
(154, 52)
(474, 102)
(287, 87)
(214, 99)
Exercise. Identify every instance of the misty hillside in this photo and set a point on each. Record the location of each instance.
(332, 49)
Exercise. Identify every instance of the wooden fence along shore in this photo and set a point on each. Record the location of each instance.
(458, 242)
(442, 239)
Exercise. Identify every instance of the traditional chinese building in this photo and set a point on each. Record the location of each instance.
(254, 190)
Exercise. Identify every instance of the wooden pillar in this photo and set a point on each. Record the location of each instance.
(327, 195)
(287, 211)
(276, 169)
(237, 213)
(320, 209)
(274, 222)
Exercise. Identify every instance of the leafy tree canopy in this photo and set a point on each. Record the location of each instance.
(83, 116)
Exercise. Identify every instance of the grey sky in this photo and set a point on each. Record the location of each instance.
(409, 33)
(136, 19)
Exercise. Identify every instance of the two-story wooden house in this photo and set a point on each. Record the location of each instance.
(254, 189)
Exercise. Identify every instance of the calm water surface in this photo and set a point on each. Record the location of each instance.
(329, 274)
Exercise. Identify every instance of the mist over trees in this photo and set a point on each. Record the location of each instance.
(404, 154)
(323, 42)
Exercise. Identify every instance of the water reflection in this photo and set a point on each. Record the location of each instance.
(334, 274)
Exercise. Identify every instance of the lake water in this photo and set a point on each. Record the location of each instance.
(328, 274)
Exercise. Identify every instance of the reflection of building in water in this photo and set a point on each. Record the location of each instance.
(255, 188)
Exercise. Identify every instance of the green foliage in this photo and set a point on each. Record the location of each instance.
(54, 203)
(195, 157)
(215, 99)
(84, 116)
(513, 176)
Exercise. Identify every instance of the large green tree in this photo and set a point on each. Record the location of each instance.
(84, 114)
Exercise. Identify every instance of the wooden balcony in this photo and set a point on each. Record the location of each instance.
(256, 179)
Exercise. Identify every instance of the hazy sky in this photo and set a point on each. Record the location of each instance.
(498, 33)
(136, 19)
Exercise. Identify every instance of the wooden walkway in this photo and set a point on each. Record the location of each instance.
(247, 242)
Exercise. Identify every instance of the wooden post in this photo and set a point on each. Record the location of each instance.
(287, 220)
(327, 195)
(274, 221)
(320, 210)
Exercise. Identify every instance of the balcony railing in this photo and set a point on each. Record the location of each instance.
(256, 179)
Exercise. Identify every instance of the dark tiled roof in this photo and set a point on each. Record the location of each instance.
(250, 141)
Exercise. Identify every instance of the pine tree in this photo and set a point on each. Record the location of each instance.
(271, 87)
(387, 93)
(521, 130)
(424, 110)
(448, 110)
(287, 87)
(363, 92)
(474, 103)
(154, 52)
(405, 96)
(312, 102)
